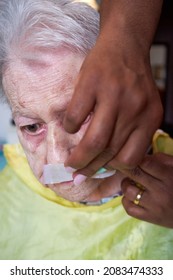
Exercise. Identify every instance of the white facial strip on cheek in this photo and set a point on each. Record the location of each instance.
(56, 173)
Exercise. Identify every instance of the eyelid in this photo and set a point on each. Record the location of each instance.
(26, 124)
(23, 121)
(38, 131)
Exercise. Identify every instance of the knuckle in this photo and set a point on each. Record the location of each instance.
(158, 113)
(135, 174)
(130, 210)
(138, 103)
(126, 161)
(98, 144)
(115, 86)
(156, 120)
(124, 185)
(72, 118)
(156, 110)
(130, 192)
(147, 162)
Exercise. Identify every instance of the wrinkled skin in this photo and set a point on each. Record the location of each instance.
(156, 204)
(39, 94)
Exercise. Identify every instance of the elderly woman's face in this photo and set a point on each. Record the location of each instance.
(39, 94)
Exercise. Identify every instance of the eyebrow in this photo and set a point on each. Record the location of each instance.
(52, 112)
(24, 115)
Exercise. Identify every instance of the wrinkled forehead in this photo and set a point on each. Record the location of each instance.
(39, 61)
(40, 70)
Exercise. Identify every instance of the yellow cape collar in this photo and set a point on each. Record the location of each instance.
(17, 160)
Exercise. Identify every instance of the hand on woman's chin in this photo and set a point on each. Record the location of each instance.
(107, 188)
(91, 190)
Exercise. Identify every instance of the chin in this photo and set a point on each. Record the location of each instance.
(69, 191)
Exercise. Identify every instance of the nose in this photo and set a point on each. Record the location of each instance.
(58, 145)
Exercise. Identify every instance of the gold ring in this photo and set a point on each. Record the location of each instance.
(138, 198)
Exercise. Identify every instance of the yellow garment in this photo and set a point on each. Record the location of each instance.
(37, 224)
(162, 143)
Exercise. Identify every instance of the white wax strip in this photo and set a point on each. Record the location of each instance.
(56, 173)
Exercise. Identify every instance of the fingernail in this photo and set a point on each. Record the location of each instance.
(70, 169)
(79, 179)
(104, 174)
(101, 170)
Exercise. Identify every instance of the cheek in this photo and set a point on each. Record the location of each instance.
(35, 150)
(36, 161)
(29, 142)
(35, 147)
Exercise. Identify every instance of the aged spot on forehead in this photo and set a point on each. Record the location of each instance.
(22, 103)
(66, 82)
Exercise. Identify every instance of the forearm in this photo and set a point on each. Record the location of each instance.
(134, 21)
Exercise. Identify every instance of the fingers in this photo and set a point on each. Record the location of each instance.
(155, 204)
(104, 155)
(155, 170)
(134, 210)
(143, 209)
(126, 158)
(130, 194)
(122, 103)
(159, 166)
(138, 139)
(80, 107)
(94, 151)
(129, 155)
(95, 141)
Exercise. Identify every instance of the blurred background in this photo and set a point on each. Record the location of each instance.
(161, 57)
(162, 63)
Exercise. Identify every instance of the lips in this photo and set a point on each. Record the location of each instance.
(63, 186)
(65, 183)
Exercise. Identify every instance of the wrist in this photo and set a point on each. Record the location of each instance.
(130, 23)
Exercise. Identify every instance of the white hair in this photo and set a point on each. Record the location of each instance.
(45, 24)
